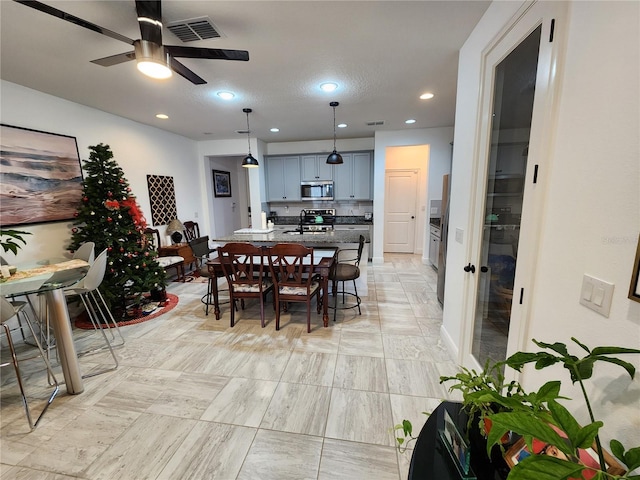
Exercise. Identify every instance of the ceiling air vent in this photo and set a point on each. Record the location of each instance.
(194, 29)
(372, 124)
(243, 132)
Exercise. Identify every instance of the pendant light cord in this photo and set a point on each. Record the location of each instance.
(334, 129)
(249, 133)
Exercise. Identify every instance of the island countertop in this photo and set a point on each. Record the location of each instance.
(278, 236)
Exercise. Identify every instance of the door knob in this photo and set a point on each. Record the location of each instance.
(470, 268)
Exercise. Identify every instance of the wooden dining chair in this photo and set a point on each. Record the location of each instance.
(191, 230)
(244, 268)
(291, 271)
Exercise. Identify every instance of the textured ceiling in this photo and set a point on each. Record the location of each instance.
(383, 54)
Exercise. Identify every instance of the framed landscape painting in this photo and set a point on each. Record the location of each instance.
(221, 183)
(41, 176)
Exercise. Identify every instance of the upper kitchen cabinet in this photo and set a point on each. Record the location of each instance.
(283, 178)
(353, 177)
(314, 167)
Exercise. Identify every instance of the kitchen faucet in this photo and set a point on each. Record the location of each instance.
(303, 214)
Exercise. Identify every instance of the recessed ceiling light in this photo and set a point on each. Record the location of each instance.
(328, 86)
(426, 96)
(342, 125)
(411, 120)
(274, 130)
(162, 116)
(226, 95)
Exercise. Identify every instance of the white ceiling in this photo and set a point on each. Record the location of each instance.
(383, 54)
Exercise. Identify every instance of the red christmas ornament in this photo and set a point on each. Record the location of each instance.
(109, 249)
(120, 180)
(86, 199)
(75, 214)
(109, 219)
(121, 249)
(109, 194)
(74, 230)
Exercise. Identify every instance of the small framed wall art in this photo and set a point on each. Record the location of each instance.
(221, 183)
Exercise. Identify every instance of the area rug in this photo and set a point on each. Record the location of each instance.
(170, 303)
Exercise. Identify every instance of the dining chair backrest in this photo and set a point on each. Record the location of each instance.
(200, 247)
(153, 237)
(242, 263)
(96, 272)
(289, 264)
(86, 252)
(191, 230)
(6, 310)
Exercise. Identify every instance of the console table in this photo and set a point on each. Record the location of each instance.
(431, 460)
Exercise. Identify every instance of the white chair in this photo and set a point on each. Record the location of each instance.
(86, 252)
(97, 310)
(9, 310)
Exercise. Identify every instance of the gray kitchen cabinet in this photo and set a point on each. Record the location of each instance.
(315, 167)
(353, 177)
(359, 227)
(283, 178)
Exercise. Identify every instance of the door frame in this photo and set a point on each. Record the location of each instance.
(540, 144)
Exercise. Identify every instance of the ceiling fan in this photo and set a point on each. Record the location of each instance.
(154, 59)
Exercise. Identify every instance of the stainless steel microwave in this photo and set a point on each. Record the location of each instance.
(318, 190)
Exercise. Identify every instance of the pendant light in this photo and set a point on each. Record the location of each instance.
(334, 158)
(249, 161)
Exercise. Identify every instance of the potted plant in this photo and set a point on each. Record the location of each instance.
(556, 427)
(539, 417)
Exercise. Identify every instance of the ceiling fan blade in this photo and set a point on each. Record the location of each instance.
(150, 20)
(115, 59)
(75, 20)
(183, 71)
(210, 53)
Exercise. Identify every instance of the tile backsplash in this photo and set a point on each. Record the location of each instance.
(342, 208)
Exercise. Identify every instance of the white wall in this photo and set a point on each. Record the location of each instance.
(228, 213)
(439, 140)
(139, 150)
(592, 209)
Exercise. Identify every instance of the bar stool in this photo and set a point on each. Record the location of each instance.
(346, 269)
(9, 310)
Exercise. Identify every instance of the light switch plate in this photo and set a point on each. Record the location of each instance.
(596, 294)
(459, 235)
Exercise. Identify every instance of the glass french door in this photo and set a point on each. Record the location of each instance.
(514, 88)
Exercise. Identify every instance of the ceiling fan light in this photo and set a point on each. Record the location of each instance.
(151, 59)
(334, 158)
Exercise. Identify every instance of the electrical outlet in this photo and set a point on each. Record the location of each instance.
(596, 294)
(195, 215)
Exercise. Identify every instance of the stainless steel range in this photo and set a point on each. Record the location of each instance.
(319, 220)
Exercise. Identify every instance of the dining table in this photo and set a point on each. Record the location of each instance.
(49, 277)
(324, 259)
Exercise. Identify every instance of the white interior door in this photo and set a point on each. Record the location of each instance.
(401, 188)
(517, 103)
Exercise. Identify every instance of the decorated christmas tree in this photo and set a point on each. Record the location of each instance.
(109, 216)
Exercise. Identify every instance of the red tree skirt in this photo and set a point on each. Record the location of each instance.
(170, 303)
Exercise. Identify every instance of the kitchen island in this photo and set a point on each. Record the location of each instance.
(342, 239)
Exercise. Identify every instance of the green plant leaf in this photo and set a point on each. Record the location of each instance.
(557, 347)
(613, 350)
(583, 369)
(631, 370)
(549, 391)
(565, 421)
(407, 427)
(519, 359)
(632, 458)
(544, 467)
(617, 449)
(528, 425)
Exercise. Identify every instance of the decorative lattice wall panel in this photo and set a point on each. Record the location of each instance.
(162, 197)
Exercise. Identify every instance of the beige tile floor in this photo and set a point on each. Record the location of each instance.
(196, 399)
